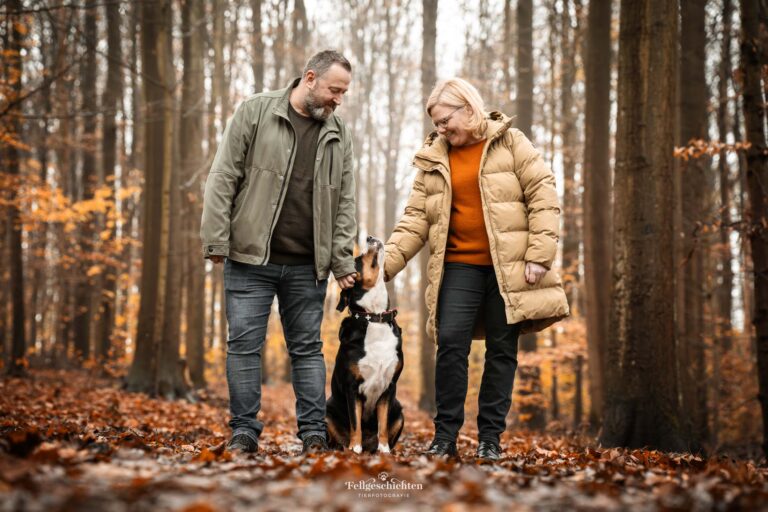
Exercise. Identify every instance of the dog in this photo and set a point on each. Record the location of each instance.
(363, 412)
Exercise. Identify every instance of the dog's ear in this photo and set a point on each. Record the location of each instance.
(343, 300)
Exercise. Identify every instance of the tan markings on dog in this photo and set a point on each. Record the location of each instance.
(354, 369)
(356, 436)
(397, 426)
(382, 411)
(334, 433)
(370, 274)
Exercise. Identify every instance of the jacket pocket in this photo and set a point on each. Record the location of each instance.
(240, 196)
(330, 195)
(331, 165)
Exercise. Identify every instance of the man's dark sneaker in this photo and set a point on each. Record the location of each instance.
(440, 448)
(243, 443)
(314, 443)
(488, 451)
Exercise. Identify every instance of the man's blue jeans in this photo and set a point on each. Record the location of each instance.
(250, 290)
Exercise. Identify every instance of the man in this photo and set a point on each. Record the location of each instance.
(279, 210)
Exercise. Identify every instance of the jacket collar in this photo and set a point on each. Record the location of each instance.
(331, 124)
(436, 147)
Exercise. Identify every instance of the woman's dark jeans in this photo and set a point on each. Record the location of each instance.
(250, 290)
(469, 292)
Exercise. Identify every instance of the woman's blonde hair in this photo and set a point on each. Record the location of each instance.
(457, 92)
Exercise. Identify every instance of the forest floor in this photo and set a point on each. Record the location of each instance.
(73, 441)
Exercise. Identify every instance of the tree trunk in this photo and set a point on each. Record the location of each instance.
(66, 162)
(211, 324)
(392, 138)
(524, 102)
(110, 105)
(747, 288)
(192, 161)
(641, 387)
(169, 381)
(84, 287)
(506, 56)
(15, 68)
(532, 406)
(754, 23)
(693, 126)
(135, 160)
(726, 275)
(578, 402)
(50, 53)
(554, 392)
(597, 199)
(278, 43)
(155, 23)
(428, 75)
(5, 302)
(723, 325)
(300, 37)
(257, 47)
(569, 42)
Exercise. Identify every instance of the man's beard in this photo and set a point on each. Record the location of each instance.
(317, 110)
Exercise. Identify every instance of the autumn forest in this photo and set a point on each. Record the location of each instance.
(652, 115)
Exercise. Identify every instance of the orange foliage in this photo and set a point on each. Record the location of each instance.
(69, 441)
(697, 148)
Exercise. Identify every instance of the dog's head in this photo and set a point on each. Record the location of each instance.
(369, 267)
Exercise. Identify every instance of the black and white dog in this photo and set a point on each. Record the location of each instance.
(363, 412)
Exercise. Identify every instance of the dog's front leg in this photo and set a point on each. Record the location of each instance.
(355, 406)
(382, 414)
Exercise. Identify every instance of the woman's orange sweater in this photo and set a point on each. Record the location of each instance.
(467, 236)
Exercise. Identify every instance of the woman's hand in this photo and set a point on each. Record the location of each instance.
(534, 272)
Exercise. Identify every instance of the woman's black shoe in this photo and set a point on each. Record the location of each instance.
(440, 448)
(488, 451)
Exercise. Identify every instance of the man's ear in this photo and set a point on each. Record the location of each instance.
(310, 77)
(343, 300)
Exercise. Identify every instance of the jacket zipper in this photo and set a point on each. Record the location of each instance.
(320, 143)
(486, 215)
(280, 198)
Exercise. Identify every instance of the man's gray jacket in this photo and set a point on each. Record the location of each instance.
(248, 180)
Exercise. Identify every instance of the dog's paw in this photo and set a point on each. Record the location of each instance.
(357, 448)
(383, 448)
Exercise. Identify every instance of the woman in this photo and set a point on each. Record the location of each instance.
(486, 202)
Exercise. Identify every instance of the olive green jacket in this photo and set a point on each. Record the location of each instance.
(246, 186)
(522, 217)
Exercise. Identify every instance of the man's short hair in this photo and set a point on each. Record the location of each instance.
(322, 62)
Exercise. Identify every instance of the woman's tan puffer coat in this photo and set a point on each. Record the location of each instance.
(522, 216)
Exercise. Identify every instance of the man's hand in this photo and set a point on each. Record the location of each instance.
(216, 259)
(534, 272)
(347, 281)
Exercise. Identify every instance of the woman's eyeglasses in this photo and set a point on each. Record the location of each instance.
(442, 123)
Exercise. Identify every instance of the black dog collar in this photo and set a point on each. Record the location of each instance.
(380, 318)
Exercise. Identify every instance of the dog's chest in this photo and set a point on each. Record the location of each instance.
(378, 365)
